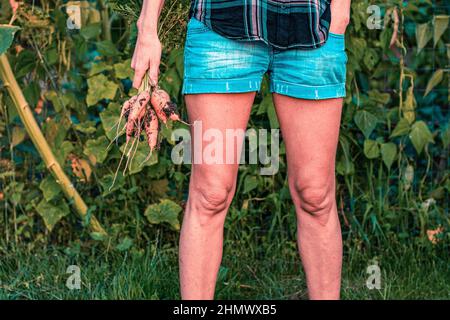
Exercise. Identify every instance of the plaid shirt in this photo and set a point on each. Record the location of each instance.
(284, 24)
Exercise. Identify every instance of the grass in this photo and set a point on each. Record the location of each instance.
(407, 273)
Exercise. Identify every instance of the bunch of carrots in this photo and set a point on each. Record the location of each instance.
(142, 113)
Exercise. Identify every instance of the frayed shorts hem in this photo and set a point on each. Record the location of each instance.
(198, 86)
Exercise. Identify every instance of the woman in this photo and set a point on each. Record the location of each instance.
(229, 46)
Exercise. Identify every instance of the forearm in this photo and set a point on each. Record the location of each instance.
(148, 20)
(340, 15)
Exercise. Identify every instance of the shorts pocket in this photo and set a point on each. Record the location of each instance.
(195, 26)
(336, 41)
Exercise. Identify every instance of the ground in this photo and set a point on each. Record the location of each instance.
(152, 273)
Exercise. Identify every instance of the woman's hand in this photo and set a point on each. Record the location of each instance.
(147, 56)
(340, 16)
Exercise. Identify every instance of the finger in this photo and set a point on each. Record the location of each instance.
(133, 62)
(134, 58)
(137, 80)
(154, 73)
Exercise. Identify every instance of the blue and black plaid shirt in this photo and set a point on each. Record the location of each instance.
(284, 24)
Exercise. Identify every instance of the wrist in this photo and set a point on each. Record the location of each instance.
(339, 23)
(340, 16)
(146, 28)
(147, 35)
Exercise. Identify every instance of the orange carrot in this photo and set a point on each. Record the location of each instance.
(137, 112)
(164, 108)
(125, 111)
(151, 127)
(159, 99)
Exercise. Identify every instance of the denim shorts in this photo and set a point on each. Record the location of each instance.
(216, 64)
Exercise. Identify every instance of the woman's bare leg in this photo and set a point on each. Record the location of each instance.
(211, 190)
(310, 129)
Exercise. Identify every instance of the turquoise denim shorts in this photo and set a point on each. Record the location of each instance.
(216, 64)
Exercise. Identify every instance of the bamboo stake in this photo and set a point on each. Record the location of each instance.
(106, 24)
(41, 144)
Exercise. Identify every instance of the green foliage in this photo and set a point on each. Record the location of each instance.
(395, 129)
(165, 211)
(52, 213)
(6, 37)
(100, 88)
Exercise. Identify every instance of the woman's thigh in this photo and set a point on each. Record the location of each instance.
(308, 88)
(310, 130)
(221, 78)
(217, 123)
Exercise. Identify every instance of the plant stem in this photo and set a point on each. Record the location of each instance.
(26, 115)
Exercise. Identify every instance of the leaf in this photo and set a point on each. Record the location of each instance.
(97, 149)
(14, 191)
(445, 137)
(345, 165)
(107, 180)
(264, 105)
(165, 211)
(98, 236)
(423, 35)
(6, 36)
(32, 93)
(250, 183)
(272, 114)
(63, 151)
(371, 149)
(159, 188)
(98, 67)
(51, 56)
(91, 31)
(420, 135)
(58, 103)
(18, 135)
(87, 127)
(435, 79)
(379, 97)
(176, 59)
(357, 46)
(52, 214)
(125, 244)
(344, 168)
(140, 155)
(100, 88)
(25, 63)
(171, 82)
(365, 121)
(166, 132)
(388, 153)
(123, 70)
(370, 58)
(55, 132)
(50, 188)
(107, 48)
(440, 24)
(402, 128)
(109, 117)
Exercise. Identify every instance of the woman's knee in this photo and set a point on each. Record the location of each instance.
(211, 197)
(315, 200)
